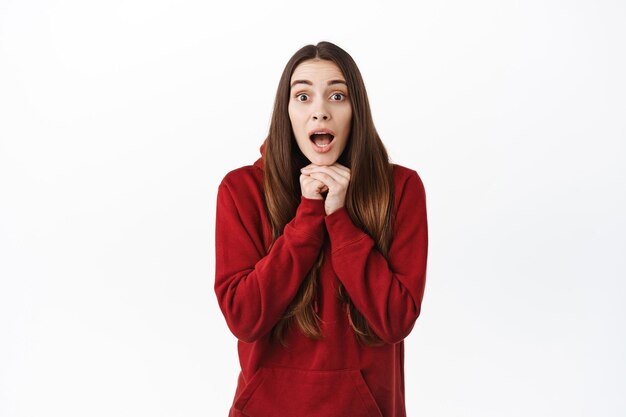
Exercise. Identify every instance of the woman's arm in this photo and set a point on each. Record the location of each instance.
(253, 289)
(387, 292)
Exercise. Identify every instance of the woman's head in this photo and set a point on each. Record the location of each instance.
(302, 108)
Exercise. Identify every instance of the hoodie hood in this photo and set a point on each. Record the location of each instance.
(259, 162)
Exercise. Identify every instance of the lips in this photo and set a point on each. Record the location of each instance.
(321, 131)
(321, 137)
(322, 143)
(322, 140)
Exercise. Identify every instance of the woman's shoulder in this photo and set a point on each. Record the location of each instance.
(402, 174)
(408, 187)
(242, 175)
(243, 183)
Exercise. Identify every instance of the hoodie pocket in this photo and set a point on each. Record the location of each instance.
(288, 392)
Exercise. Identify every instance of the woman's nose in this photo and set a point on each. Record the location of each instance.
(320, 115)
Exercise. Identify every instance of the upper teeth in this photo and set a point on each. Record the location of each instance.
(321, 133)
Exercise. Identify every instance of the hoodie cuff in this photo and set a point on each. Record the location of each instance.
(309, 218)
(341, 230)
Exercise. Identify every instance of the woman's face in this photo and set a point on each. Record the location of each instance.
(319, 103)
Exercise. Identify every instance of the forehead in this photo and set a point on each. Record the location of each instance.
(317, 70)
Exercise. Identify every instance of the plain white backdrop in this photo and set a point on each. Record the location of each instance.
(118, 120)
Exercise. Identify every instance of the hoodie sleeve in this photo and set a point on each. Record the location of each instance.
(387, 291)
(254, 288)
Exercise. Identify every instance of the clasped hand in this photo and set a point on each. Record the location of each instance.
(317, 179)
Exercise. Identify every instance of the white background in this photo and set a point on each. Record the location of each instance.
(118, 119)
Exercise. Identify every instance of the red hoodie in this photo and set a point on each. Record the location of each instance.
(334, 376)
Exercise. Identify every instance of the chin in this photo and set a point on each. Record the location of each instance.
(322, 160)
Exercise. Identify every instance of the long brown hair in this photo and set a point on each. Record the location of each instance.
(369, 196)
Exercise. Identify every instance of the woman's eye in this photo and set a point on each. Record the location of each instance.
(298, 96)
(339, 94)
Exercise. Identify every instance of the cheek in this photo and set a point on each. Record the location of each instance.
(295, 118)
(297, 127)
(291, 115)
(346, 114)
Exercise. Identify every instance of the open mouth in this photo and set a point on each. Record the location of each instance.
(322, 139)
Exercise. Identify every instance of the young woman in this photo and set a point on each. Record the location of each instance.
(321, 250)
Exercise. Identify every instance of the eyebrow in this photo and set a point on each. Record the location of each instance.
(307, 82)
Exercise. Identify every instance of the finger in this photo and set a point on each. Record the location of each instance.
(341, 167)
(336, 166)
(341, 170)
(325, 178)
(337, 173)
(330, 174)
(305, 180)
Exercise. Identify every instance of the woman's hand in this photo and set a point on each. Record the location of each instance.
(312, 188)
(334, 178)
